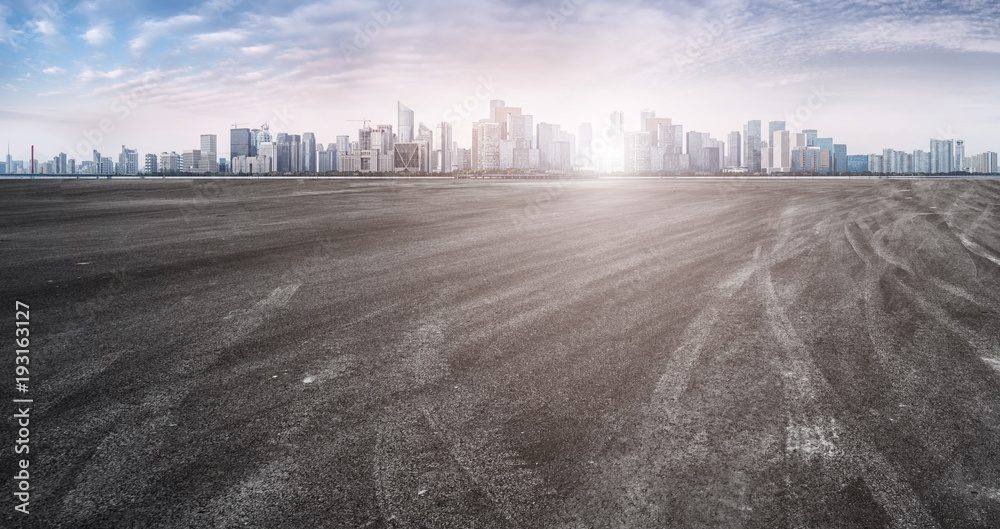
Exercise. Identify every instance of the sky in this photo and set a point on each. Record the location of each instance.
(155, 75)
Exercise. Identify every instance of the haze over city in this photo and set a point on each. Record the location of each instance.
(897, 73)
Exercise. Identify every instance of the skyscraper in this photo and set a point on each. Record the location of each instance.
(501, 115)
(942, 156)
(494, 105)
(445, 137)
(405, 118)
(959, 164)
(486, 136)
(811, 135)
(209, 154)
(645, 115)
(150, 165)
(752, 147)
(637, 151)
(309, 152)
(240, 143)
(773, 127)
(344, 144)
(733, 158)
(839, 158)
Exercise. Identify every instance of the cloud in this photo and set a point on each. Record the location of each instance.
(152, 30)
(53, 70)
(45, 27)
(89, 76)
(98, 35)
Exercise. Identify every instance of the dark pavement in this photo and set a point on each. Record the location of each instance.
(506, 354)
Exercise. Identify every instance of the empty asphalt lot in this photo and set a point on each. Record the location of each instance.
(491, 354)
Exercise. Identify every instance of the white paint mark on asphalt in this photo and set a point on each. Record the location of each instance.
(308, 380)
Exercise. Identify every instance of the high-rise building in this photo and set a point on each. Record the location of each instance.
(644, 115)
(548, 151)
(444, 134)
(502, 115)
(733, 158)
(959, 164)
(240, 143)
(170, 162)
(309, 152)
(344, 144)
(150, 166)
(857, 163)
(751, 147)
(942, 156)
(494, 105)
(486, 139)
(697, 142)
(128, 161)
(190, 161)
(839, 158)
(637, 152)
(773, 127)
(10, 162)
(209, 152)
(405, 118)
(407, 157)
(811, 135)
(781, 148)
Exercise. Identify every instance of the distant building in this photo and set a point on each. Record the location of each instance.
(733, 158)
(773, 127)
(407, 157)
(190, 161)
(150, 166)
(170, 162)
(308, 163)
(959, 155)
(637, 151)
(811, 136)
(209, 154)
(942, 156)
(241, 143)
(486, 144)
(839, 158)
(752, 146)
(405, 122)
(857, 163)
(128, 161)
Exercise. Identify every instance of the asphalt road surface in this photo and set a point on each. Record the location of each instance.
(506, 354)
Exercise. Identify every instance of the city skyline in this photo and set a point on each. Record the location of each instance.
(163, 75)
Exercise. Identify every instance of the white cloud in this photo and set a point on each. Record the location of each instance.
(219, 38)
(45, 27)
(98, 35)
(152, 30)
(53, 70)
(88, 75)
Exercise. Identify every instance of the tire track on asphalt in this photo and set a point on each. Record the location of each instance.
(812, 432)
(636, 506)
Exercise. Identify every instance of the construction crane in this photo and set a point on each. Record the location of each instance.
(236, 125)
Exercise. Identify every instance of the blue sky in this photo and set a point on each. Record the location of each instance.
(158, 74)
